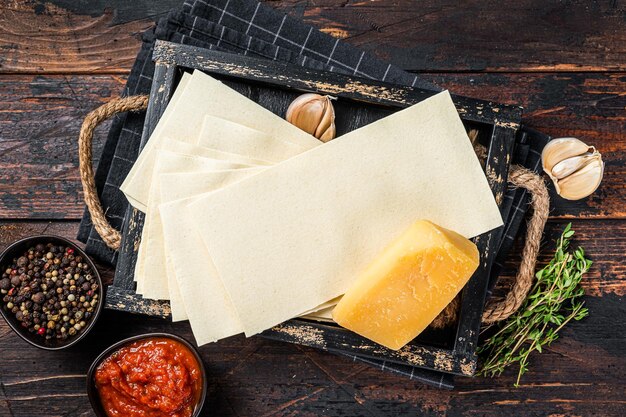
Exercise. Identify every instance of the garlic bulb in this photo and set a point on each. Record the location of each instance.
(575, 167)
(314, 114)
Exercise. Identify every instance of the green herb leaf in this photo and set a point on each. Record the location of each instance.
(552, 303)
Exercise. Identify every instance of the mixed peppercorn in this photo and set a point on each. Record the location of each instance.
(50, 291)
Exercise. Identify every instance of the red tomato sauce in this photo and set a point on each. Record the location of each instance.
(153, 377)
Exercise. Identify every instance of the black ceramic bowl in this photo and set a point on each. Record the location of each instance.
(16, 250)
(92, 391)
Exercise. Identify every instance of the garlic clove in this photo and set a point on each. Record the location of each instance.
(329, 134)
(326, 129)
(314, 114)
(571, 165)
(583, 182)
(560, 149)
(297, 104)
(308, 113)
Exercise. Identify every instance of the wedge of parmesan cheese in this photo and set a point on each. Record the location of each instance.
(408, 285)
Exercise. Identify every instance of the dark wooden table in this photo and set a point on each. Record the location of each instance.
(564, 61)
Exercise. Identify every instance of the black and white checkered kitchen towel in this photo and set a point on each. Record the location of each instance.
(250, 28)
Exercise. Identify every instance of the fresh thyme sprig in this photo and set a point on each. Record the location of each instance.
(553, 302)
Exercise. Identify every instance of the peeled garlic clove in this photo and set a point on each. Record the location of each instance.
(571, 165)
(560, 149)
(583, 182)
(314, 114)
(575, 167)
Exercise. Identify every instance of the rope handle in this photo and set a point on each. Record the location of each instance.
(520, 177)
(495, 310)
(109, 234)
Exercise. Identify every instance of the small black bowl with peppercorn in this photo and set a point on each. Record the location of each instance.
(50, 291)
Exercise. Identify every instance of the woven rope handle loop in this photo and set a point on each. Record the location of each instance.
(501, 309)
(497, 310)
(109, 235)
(520, 177)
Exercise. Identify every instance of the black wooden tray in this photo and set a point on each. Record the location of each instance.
(360, 101)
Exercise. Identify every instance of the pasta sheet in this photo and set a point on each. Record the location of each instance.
(198, 96)
(297, 234)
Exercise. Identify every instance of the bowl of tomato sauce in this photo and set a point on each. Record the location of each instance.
(150, 375)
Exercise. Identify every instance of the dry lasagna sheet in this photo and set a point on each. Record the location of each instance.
(251, 221)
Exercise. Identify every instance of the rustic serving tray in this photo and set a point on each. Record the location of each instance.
(360, 101)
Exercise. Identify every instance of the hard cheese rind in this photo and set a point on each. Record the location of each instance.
(408, 285)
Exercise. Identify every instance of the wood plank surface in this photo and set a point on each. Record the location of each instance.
(562, 60)
(39, 37)
(581, 374)
(64, 36)
(40, 116)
